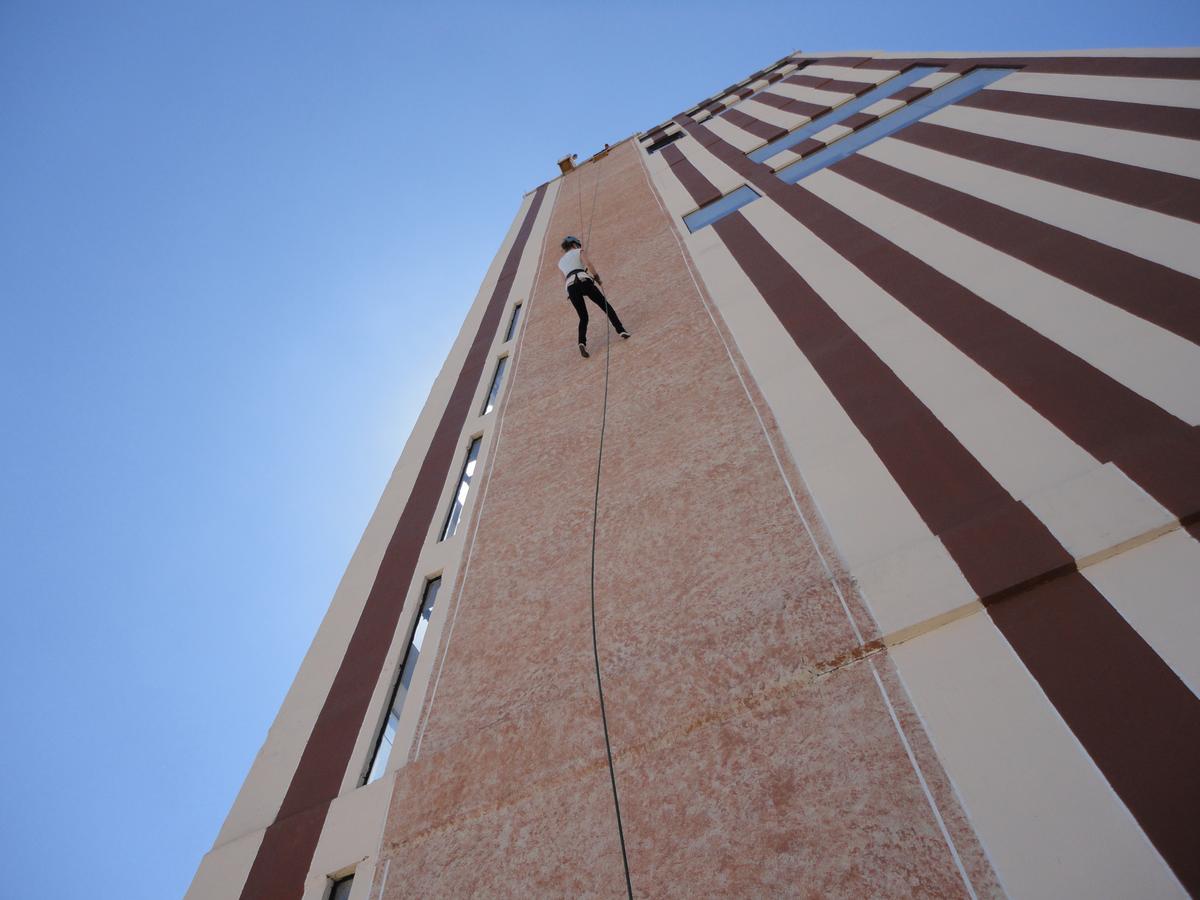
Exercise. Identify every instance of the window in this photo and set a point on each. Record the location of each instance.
(494, 392)
(847, 109)
(460, 496)
(663, 141)
(383, 746)
(975, 80)
(512, 323)
(719, 209)
(341, 888)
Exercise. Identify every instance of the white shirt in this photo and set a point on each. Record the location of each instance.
(571, 260)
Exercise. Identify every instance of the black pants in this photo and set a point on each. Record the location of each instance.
(584, 287)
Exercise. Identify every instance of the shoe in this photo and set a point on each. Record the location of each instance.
(583, 351)
(625, 335)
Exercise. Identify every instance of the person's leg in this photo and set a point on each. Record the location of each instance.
(601, 301)
(576, 297)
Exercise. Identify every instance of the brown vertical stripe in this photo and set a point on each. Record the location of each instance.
(1123, 66)
(856, 88)
(702, 190)
(282, 861)
(1170, 121)
(829, 84)
(1138, 721)
(858, 120)
(756, 127)
(1157, 293)
(788, 104)
(1174, 195)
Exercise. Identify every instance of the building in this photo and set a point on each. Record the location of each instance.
(896, 564)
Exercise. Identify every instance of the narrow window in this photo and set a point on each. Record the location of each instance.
(341, 888)
(460, 496)
(952, 92)
(387, 735)
(719, 209)
(847, 109)
(494, 392)
(663, 141)
(512, 323)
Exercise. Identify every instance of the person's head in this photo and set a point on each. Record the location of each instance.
(570, 241)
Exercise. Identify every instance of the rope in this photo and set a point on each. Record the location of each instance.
(612, 774)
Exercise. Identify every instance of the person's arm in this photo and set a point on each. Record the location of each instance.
(588, 265)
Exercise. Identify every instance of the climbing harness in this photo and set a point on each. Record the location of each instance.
(612, 775)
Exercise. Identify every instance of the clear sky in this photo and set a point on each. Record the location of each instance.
(236, 242)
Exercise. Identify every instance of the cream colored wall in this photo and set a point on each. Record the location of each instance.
(352, 828)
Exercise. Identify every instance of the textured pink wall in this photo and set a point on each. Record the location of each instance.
(755, 752)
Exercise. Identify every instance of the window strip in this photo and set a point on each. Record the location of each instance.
(460, 495)
(493, 395)
(847, 109)
(720, 208)
(956, 90)
(387, 731)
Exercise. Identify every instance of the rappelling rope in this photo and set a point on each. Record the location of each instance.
(612, 774)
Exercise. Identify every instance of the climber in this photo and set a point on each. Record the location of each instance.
(583, 281)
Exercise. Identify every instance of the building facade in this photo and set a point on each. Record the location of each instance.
(878, 538)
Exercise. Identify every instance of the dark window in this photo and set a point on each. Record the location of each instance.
(512, 323)
(460, 495)
(341, 888)
(494, 392)
(387, 734)
(662, 142)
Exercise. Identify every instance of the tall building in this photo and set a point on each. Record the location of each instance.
(877, 538)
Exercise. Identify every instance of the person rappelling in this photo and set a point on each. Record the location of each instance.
(584, 281)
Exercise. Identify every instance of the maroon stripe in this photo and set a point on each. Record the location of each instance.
(1154, 292)
(1137, 720)
(1170, 121)
(910, 93)
(847, 87)
(1174, 195)
(898, 65)
(830, 84)
(282, 861)
(807, 147)
(756, 127)
(846, 62)
(791, 105)
(1130, 711)
(1158, 451)
(694, 182)
(1127, 66)
(858, 120)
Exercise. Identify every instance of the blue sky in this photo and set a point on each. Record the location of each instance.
(236, 242)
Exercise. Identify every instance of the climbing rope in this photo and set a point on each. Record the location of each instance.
(612, 775)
